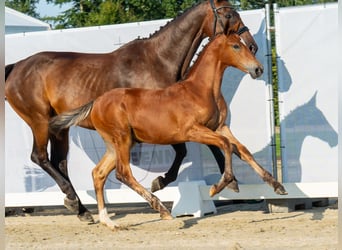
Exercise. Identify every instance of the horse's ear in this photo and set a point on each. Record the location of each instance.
(313, 99)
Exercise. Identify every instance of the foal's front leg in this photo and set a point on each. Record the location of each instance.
(228, 178)
(244, 154)
(204, 135)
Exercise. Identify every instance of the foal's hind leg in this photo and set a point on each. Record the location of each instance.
(171, 175)
(241, 151)
(100, 174)
(108, 163)
(124, 174)
(59, 151)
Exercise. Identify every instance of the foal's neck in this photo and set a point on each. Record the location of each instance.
(207, 72)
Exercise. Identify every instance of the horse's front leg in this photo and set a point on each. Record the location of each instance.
(161, 182)
(219, 157)
(244, 154)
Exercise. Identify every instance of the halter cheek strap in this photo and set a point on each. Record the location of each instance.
(217, 17)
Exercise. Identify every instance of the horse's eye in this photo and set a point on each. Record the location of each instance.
(228, 16)
(236, 46)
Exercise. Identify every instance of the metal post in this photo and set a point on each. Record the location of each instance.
(282, 135)
(269, 29)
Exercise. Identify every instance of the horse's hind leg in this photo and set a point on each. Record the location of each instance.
(171, 175)
(59, 151)
(244, 154)
(40, 157)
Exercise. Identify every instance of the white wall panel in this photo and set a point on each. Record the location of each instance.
(307, 47)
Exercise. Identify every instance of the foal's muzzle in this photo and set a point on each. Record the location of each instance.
(257, 71)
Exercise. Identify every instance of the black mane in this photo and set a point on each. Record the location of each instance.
(180, 13)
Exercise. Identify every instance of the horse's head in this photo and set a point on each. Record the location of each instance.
(309, 120)
(236, 54)
(225, 19)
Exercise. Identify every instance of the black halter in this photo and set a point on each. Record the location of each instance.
(242, 30)
(217, 17)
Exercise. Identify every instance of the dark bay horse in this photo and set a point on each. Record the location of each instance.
(49, 83)
(189, 110)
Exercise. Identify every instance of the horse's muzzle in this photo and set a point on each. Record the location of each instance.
(256, 72)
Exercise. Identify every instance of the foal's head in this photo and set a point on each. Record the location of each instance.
(235, 53)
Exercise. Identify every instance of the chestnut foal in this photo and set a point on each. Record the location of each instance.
(190, 110)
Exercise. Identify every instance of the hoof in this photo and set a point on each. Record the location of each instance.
(86, 217)
(166, 216)
(280, 190)
(104, 219)
(233, 185)
(71, 205)
(157, 184)
(111, 225)
(213, 190)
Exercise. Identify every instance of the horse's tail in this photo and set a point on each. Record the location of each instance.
(8, 70)
(68, 119)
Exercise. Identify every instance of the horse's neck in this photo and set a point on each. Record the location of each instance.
(180, 39)
(294, 123)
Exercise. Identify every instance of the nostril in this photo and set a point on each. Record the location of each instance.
(259, 71)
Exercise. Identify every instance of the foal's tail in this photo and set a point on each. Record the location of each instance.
(68, 119)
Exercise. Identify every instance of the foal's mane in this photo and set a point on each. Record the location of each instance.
(201, 52)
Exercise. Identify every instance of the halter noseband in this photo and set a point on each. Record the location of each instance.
(242, 30)
(217, 17)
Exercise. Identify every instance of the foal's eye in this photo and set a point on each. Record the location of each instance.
(236, 46)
